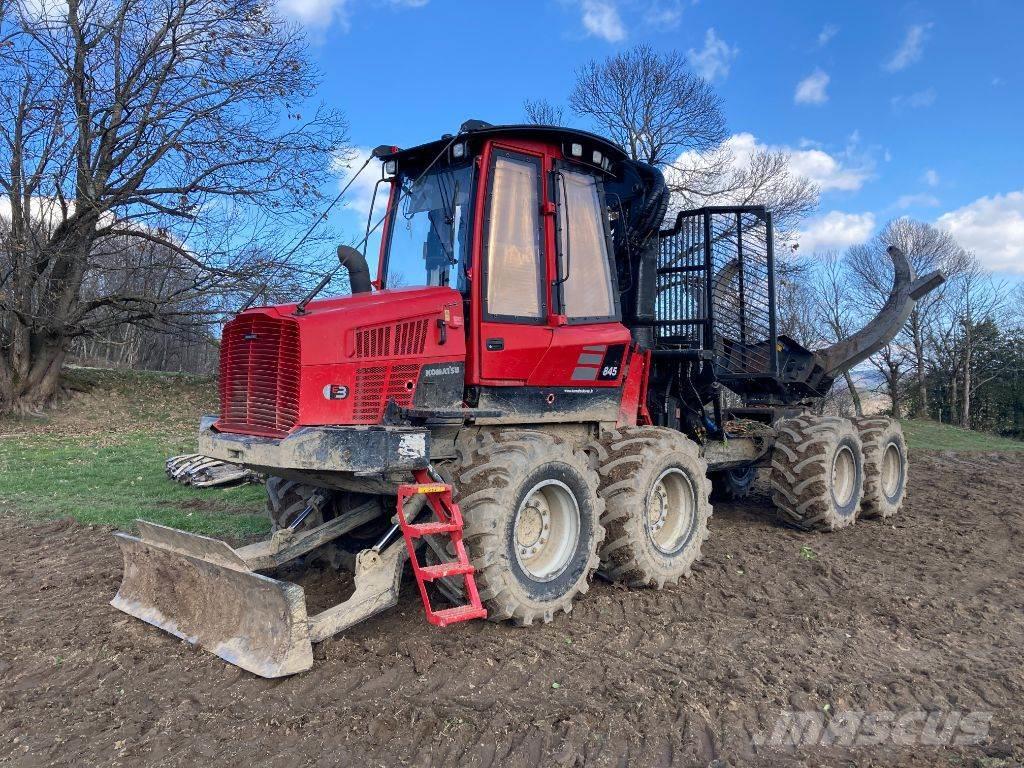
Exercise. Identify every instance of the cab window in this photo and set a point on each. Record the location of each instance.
(584, 269)
(514, 256)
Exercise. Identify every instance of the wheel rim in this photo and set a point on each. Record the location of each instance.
(844, 476)
(546, 530)
(671, 510)
(892, 471)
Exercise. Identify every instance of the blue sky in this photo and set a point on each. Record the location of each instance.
(893, 108)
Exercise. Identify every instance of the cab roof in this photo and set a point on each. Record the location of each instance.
(478, 129)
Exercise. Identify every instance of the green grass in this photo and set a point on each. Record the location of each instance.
(113, 479)
(931, 435)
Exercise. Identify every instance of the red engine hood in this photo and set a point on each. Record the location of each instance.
(328, 321)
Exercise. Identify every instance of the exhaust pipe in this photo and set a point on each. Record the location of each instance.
(907, 288)
(358, 270)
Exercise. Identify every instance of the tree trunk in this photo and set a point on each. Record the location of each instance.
(954, 397)
(965, 417)
(921, 407)
(28, 391)
(858, 408)
(893, 381)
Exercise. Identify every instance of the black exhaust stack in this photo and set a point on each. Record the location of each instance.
(358, 270)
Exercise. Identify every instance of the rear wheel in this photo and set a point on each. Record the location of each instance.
(532, 523)
(817, 472)
(655, 486)
(885, 465)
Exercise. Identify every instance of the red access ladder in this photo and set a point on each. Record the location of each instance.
(447, 522)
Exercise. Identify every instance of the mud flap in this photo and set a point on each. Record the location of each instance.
(252, 621)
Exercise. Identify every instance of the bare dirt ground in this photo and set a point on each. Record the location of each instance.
(926, 614)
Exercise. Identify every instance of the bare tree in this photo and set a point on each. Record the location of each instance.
(663, 113)
(927, 248)
(651, 103)
(836, 311)
(174, 122)
(974, 298)
(543, 112)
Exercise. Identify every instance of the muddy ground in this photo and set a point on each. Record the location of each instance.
(926, 614)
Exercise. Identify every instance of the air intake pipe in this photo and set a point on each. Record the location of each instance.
(358, 271)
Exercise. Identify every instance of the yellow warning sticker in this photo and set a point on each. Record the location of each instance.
(431, 488)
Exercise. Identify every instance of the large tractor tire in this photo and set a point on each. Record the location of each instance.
(733, 484)
(532, 522)
(885, 465)
(817, 472)
(287, 499)
(655, 487)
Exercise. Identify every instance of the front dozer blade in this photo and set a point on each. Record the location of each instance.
(201, 590)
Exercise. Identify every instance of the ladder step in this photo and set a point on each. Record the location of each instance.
(448, 616)
(432, 572)
(431, 529)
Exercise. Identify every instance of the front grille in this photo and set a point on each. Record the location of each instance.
(405, 338)
(259, 375)
(377, 384)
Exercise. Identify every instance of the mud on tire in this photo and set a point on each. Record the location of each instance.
(817, 473)
(496, 481)
(885, 465)
(655, 487)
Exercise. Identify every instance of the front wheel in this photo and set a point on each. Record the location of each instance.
(532, 523)
(655, 486)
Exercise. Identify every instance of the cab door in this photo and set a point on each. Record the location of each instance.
(588, 346)
(514, 330)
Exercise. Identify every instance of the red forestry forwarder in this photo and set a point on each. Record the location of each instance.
(541, 383)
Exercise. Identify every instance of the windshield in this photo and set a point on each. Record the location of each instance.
(429, 232)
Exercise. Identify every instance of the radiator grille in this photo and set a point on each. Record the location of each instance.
(405, 338)
(377, 384)
(259, 375)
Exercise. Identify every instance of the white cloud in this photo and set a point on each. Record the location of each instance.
(910, 49)
(922, 200)
(715, 58)
(931, 177)
(316, 13)
(811, 90)
(601, 19)
(322, 13)
(664, 16)
(827, 33)
(835, 230)
(992, 227)
(915, 100)
(814, 163)
(360, 194)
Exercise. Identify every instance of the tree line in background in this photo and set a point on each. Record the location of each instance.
(959, 358)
